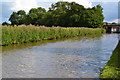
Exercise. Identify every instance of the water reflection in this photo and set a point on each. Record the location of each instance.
(71, 58)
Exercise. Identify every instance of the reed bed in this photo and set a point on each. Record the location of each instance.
(30, 33)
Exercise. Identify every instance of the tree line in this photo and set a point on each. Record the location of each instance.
(64, 14)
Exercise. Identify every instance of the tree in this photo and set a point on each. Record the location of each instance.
(35, 15)
(14, 19)
(5, 24)
(21, 17)
(113, 23)
(65, 14)
(18, 18)
(59, 11)
(48, 19)
(92, 17)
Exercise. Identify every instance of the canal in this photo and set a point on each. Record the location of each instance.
(67, 58)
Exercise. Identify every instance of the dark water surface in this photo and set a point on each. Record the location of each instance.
(71, 58)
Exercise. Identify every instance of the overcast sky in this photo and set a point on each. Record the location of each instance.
(8, 6)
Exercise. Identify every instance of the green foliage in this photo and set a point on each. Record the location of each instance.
(35, 16)
(92, 17)
(66, 14)
(5, 23)
(18, 18)
(112, 69)
(110, 72)
(22, 34)
(114, 23)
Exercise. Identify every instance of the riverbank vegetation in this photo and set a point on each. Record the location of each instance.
(112, 69)
(22, 33)
(64, 14)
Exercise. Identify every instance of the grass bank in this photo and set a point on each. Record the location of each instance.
(22, 34)
(112, 69)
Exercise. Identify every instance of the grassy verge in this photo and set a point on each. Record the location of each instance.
(22, 34)
(112, 69)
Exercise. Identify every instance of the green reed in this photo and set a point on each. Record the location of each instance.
(30, 33)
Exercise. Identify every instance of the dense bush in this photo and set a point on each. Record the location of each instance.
(22, 34)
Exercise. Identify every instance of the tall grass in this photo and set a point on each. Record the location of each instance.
(22, 34)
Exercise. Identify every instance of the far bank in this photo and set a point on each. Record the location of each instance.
(30, 33)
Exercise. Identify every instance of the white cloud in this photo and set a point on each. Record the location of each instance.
(85, 3)
(116, 21)
(28, 4)
(104, 0)
(24, 5)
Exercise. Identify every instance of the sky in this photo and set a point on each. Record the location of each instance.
(110, 7)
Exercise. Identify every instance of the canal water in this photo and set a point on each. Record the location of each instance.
(67, 58)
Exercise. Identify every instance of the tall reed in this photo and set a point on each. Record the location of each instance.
(22, 34)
